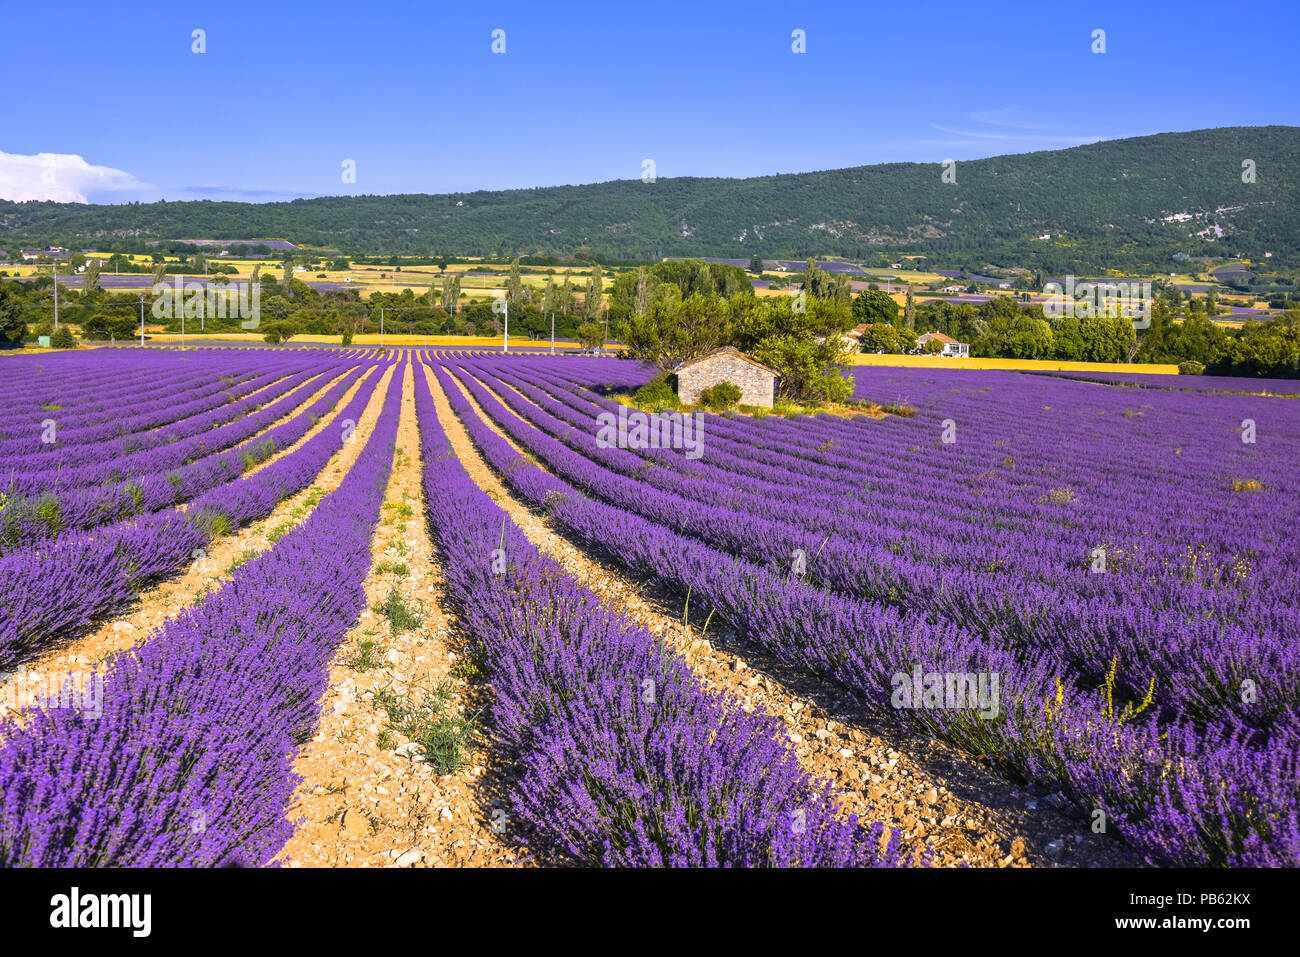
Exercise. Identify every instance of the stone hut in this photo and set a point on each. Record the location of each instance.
(757, 382)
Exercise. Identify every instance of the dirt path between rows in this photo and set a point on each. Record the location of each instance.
(930, 791)
(367, 802)
(207, 573)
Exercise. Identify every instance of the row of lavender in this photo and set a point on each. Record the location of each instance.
(153, 393)
(623, 758)
(1183, 383)
(189, 761)
(1184, 631)
(95, 384)
(58, 590)
(115, 459)
(171, 473)
(1235, 800)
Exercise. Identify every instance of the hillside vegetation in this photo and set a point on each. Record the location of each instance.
(1105, 205)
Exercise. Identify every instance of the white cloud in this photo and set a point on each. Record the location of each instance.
(62, 178)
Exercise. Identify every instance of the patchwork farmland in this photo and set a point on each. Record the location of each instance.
(356, 607)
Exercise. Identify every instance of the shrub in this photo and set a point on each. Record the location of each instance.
(63, 339)
(657, 393)
(720, 396)
(1191, 367)
(102, 328)
(281, 330)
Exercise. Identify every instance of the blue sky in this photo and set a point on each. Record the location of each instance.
(414, 95)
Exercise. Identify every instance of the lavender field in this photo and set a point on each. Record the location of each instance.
(236, 581)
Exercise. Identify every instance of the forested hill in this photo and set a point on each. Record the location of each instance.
(1110, 203)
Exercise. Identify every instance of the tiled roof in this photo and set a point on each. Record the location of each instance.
(724, 350)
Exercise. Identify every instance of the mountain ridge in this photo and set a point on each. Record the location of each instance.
(1111, 203)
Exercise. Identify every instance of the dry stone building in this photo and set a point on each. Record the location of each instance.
(757, 383)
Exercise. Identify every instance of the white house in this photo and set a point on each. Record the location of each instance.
(951, 347)
(952, 289)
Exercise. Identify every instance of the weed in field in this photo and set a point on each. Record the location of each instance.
(243, 559)
(471, 667)
(430, 723)
(400, 615)
(367, 656)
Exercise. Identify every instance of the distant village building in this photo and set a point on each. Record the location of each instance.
(952, 289)
(757, 382)
(854, 336)
(951, 347)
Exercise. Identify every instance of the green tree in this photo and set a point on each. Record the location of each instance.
(450, 293)
(642, 291)
(515, 283)
(1196, 338)
(90, 279)
(278, 331)
(804, 346)
(13, 328)
(63, 338)
(1013, 334)
(672, 329)
(1151, 345)
(875, 306)
(756, 264)
(593, 297)
(883, 337)
(909, 310)
(101, 328)
(592, 335)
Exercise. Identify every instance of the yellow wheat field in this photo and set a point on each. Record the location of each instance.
(1037, 365)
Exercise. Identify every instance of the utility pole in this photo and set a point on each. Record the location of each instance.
(505, 344)
(552, 333)
(142, 320)
(381, 327)
(56, 295)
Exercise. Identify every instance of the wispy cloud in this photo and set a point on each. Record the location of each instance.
(1009, 124)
